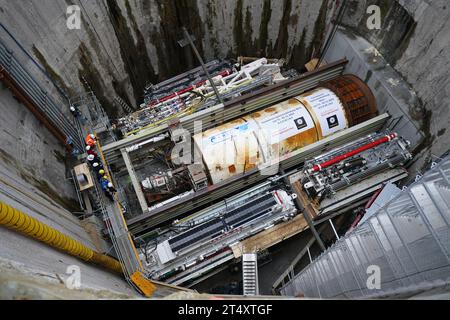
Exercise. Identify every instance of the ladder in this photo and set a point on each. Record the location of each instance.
(119, 101)
(250, 274)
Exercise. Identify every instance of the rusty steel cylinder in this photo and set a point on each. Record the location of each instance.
(265, 137)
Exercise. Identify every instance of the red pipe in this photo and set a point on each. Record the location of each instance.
(373, 198)
(173, 95)
(337, 159)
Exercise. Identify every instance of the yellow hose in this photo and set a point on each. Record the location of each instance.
(29, 226)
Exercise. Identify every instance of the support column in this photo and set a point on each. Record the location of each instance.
(134, 181)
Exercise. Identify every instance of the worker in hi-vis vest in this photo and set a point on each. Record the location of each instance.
(90, 140)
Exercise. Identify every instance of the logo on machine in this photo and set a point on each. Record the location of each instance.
(332, 121)
(300, 123)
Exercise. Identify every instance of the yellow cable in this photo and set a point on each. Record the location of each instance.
(31, 227)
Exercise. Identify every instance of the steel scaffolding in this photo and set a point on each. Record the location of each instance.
(406, 242)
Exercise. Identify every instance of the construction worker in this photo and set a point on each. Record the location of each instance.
(92, 159)
(75, 112)
(78, 115)
(90, 151)
(111, 187)
(69, 142)
(104, 182)
(90, 140)
(98, 169)
(115, 129)
(97, 166)
(101, 173)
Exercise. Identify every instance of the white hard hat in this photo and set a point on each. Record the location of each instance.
(72, 108)
(95, 165)
(88, 148)
(92, 136)
(110, 185)
(90, 157)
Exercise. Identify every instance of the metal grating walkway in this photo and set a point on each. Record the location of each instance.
(407, 240)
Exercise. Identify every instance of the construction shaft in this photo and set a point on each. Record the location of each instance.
(17, 220)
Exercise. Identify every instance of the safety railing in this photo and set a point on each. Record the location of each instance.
(403, 247)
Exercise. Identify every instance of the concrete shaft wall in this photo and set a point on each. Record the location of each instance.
(31, 152)
(124, 44)
(415, 39)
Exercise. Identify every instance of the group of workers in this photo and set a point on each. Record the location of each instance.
(97, 167)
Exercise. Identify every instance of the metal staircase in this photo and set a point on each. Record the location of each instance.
(250, 274)
(121, 103)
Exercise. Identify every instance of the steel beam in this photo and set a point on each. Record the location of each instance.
(295, 261)
(134, 181)
(304, 204)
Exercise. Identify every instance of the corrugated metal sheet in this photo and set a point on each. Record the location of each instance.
(408, 240)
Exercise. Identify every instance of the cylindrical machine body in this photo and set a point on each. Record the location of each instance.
(267, 136)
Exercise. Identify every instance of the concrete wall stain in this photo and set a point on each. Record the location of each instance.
(300, 53)
(249, 47)
(174, 15)
(68, 203)
(89, 73)
(51, 72)
(263, 28)
(212, 14)
(134, 55)
(281, 44)
(59, 156)
(238, 35)
(133, 25)
(303, 51)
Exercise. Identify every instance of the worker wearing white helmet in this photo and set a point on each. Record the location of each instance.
(77, 114)
(97, 166)
(105, 183)
(98, 169)
(90, 151)
(92, 159)
(111, 187)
